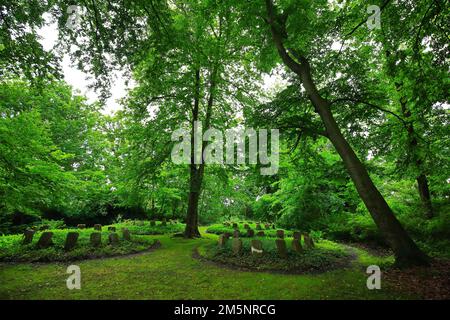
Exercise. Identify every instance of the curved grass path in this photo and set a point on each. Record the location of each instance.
(170, 272)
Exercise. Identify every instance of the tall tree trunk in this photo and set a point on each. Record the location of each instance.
(197, 171)
(191, 230)
(406, 251)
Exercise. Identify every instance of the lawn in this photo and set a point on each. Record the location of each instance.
(171, 272)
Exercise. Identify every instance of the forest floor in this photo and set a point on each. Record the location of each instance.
(171, 272)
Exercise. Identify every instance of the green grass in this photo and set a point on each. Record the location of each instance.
(170, 272)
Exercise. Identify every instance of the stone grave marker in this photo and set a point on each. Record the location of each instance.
(257, 247)
(235, 225)
(281, 248)
(98, 227)
(246, 226)
(297, 246)
(96, 239)
(45, 240)
(126, 234)
(258, 226)
(71, 240)
(280, 234)
(113, 238)
(260, 233)
(250, 233)
(236, 234)
(237, 245)
(267, 226)
(297, 235)
(163, 222)
(227, 235)
(222, 240)
(309, 243)
(28, 236)
(81, 226)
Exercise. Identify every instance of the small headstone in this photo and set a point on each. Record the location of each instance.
(257, 247)
(112, 229)
(81, 226)
(163, 222)
(126, 234)
(267, 226)
(260, 233)
(246, 226)
(153, 223)
(113, 238)
(297, 246)
(96, 239)
(280, 234)
(98, 227)
(250, 233)
(258, 226)
(45, 240)
(237, 245)
(227, 235)
(236, 234)
(71, 240)
(222, 240)
(309, 243)
(297, 235)
(28, 236)
(281, 247)
(235, 225)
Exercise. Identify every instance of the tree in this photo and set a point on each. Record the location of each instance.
(406, 251)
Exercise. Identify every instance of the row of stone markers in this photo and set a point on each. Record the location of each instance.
(256, 245)
(247, 225)
(45, 240)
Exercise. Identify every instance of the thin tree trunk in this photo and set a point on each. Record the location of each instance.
(406, 251)
(425, 197)
(422, 181)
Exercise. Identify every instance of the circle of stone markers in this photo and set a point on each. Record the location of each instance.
(256, 245)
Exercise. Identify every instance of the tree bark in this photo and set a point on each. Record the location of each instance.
(406, 251)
